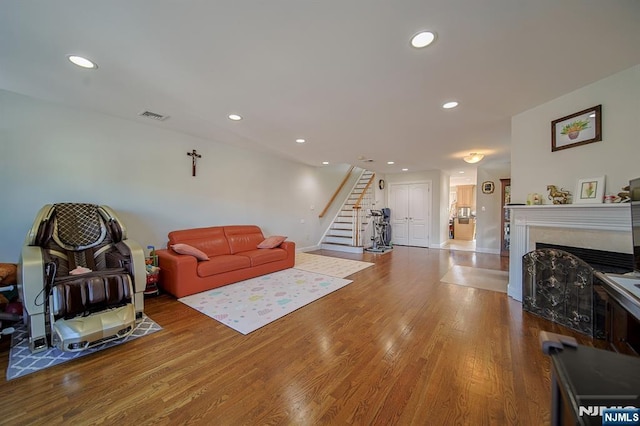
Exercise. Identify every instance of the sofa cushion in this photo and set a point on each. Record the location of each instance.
(243, 238)
(221, 264)
(261, 256)
(181, 248)
(272, 242)
(211, 240)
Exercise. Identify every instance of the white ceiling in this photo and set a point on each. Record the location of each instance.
(340, 74)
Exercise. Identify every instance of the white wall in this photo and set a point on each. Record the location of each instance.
(617, 156)
(489, 209)
(50, 154)
(443, 207)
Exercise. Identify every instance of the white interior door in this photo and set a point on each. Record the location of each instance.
(399, 205)
(410, 206)
(419, 202)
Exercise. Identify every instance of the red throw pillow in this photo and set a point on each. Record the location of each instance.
(272, 242)
(187, 249)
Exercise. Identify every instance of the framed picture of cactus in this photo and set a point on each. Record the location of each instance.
(589, 191)
(577, 129)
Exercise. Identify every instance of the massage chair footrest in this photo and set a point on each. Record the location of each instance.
(80, 333)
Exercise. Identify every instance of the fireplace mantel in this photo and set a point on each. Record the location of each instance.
(613, 217)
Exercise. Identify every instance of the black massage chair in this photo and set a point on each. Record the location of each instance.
(81, 279)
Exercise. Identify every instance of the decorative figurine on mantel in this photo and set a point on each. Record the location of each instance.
(623, 197)
(558, 196)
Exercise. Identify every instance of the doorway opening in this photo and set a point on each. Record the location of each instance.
(462, 210)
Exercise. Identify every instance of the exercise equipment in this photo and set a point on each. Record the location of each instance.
(381, 236)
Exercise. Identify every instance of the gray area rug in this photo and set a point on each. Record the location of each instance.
(23, 362)
(485, 279)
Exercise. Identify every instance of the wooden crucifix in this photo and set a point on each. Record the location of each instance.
(193, 154)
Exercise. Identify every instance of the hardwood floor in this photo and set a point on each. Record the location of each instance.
(396, 346)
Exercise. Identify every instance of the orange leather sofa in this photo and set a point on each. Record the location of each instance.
(233, 256)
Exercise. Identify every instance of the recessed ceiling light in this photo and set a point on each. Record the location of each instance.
(235, 117)
(461, 172)
(82, 62)
(405, 170)
(325, 162)
(423, 39)
(450, 105)
(391, 162)
(300, 140)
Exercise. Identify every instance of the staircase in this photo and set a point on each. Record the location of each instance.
(347, 231)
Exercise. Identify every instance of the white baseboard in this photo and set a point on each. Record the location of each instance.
(310, 248)
(487, 250)
(439, 246)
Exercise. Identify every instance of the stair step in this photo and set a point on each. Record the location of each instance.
(342, 226)
(340, 233)
(342, 248)
(338, 240)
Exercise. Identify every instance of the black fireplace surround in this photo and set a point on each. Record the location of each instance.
(558, 285)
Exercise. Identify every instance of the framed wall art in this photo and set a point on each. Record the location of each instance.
(487, 187)
(577, 129)
(589, 191)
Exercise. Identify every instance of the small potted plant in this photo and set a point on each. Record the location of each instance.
(573, 129)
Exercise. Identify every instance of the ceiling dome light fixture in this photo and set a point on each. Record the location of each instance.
(235, 117)
(450, 105)
(82, 62)
(423, 39)
(473, 158)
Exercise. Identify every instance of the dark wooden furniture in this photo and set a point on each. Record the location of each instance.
(505, 219)
(621, 310)
(583, 378)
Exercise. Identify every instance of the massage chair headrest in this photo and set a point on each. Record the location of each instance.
(76, 226)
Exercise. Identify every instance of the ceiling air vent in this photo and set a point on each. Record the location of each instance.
(365, 159)
(153, 115)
